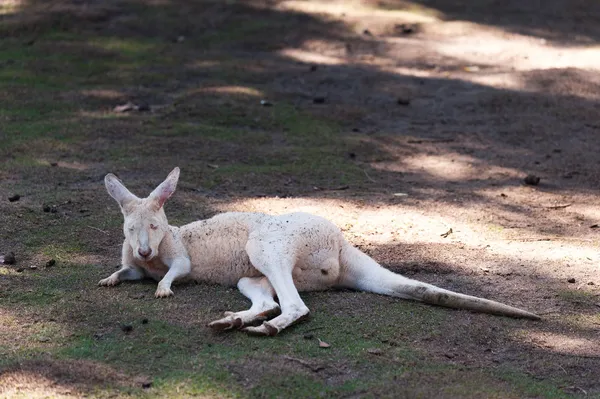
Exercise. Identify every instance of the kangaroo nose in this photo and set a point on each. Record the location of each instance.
(144, 252)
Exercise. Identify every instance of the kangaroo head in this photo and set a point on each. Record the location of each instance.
(145, 221)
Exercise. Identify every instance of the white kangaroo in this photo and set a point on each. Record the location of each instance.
(265, 255)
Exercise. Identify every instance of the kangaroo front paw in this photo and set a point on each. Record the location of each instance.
(162, 292)
(264, 330)
(109, 281)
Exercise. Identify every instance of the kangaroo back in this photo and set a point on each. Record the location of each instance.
(361, 272)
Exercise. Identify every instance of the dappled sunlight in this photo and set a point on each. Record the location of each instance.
(366, 223)
(449, 167)
(566, 344)
(109, 94)
(26, 384)
(236, 90)
(34, 333)
(311, 57)
(361, 9)
(46, 379)
(8, 271)
(124, 46)
(78, 166)
(517, 52)
(10, 6)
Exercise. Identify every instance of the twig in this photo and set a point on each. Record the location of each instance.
(101, 231)
(369, 177)
(313, 368)
(557, 206)
(563, 369)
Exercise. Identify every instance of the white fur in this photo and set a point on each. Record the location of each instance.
(265, 255)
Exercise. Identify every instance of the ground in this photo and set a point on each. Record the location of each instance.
(410, 124)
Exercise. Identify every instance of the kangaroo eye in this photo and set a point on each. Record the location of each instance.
(153, 227)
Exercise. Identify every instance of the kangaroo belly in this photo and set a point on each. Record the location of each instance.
(216, 248)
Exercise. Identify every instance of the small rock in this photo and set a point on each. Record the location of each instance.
(571, 280)
(44, 339)
(14, 198)
(403, 101)
(8, 259)
(127, 328)
(266, 103)
(33, 267)
(319, 100)
(375, 351)
(532, 180)
(308, 336)
(127, 107)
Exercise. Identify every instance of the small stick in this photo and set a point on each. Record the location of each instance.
(557, 206)
(101, 231)
(369, 177)
(305, 364)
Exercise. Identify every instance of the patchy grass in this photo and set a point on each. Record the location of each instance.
(61, 76)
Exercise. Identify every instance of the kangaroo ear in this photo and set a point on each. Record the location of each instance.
(166, 188)
(117, 190)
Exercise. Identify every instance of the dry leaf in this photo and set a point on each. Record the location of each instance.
(446, 234)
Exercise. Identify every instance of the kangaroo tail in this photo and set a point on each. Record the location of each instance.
(361, 272)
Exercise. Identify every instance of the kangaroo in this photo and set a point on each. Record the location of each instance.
(266, 256)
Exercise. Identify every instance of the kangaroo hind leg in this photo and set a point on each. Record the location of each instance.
(276, 262)
(261, 293)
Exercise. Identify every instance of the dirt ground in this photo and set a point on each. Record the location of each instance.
(410, 124)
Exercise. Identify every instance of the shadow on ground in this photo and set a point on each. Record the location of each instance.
(363, 118)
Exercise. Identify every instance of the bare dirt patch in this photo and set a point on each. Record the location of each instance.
(397, 120)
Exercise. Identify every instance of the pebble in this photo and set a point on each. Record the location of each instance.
(532, 180)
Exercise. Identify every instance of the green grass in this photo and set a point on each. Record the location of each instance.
(190, 360)
(58, 313)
